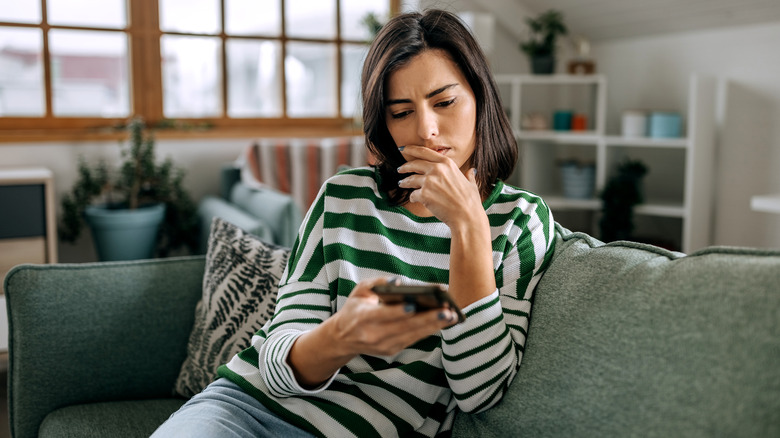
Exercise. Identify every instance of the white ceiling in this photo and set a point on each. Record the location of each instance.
(607, 19)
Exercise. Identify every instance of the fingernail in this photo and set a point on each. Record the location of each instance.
(392, 280)
(474, 172)
(399, 182)
(401, 149)
(443, 316)
(409, 307)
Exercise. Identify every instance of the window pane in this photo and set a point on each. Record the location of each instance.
(89, 73)
(253, 17)
(191, 76)
(311, 80)
(21, 72)
(191, 16)
(352, 56)
(254, 78)
(310, 18)
(20, 11)
(98, 13)
(353, 12)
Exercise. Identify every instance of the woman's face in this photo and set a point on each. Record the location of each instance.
(430, 103)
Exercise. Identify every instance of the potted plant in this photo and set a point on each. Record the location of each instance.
(622, 192)
(540, 46)
(372, 23)
(139, 210)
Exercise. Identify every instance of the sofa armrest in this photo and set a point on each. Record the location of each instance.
(278, 210)
(211, 207)
(92, 332)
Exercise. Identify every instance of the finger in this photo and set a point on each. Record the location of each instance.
(363, 289)
(414, 181)
(382, 312)
(417, 152)
(419, 326)
(471, 175)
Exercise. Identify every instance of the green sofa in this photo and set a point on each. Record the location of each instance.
(625, 340)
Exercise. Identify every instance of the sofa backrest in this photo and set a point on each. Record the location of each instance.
(628, 339)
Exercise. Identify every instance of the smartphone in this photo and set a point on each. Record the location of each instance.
(425, 297)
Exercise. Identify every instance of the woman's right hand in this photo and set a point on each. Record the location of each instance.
(362, 326)
(365, 326)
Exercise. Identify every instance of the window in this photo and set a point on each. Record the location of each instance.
(86, 65)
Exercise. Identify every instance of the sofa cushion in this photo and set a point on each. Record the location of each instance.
(126, 419)
(628, 339)
(239, 295)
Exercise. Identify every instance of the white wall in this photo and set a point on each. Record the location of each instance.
(653, 72)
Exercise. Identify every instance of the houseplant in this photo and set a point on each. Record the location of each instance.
(621, 193)
(113, 201)
(372, 23)
(540, 45)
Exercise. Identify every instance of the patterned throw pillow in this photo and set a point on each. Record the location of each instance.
(239, 295)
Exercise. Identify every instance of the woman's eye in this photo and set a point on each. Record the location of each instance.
(446, 103)
(401, 115)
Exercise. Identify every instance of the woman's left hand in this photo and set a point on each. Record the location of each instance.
(439, 184)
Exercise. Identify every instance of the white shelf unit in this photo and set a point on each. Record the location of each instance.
(678, 186)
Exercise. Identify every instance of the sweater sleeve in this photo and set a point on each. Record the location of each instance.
(303, 302)
(481, 356)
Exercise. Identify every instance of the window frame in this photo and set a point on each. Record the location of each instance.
(145, 76)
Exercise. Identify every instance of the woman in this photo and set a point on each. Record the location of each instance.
(334, 361)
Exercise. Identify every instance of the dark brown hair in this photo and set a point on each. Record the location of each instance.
(401, 39)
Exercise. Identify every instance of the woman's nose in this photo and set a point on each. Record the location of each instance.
(427, 125)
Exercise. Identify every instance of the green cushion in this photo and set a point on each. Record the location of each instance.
(126, 419)
(631, 340)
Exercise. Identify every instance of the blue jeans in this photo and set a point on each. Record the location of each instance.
(224, 410)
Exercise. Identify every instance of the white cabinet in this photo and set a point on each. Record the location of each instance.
(678, 187)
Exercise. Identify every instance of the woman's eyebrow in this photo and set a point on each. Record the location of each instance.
(427, 96)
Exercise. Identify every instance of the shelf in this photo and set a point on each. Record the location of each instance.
(616, 140)
(654, 208)
(563, 203)
(579, 137)
(684, 165)
(661, 208)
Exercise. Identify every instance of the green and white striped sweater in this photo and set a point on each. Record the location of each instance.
(351, 233)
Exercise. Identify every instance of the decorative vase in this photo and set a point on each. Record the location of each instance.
(543, 65)
(122, 234)
(578, 180)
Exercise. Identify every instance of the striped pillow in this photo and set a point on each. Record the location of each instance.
(300, 166)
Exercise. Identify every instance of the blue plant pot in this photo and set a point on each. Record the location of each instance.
(121, 234)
